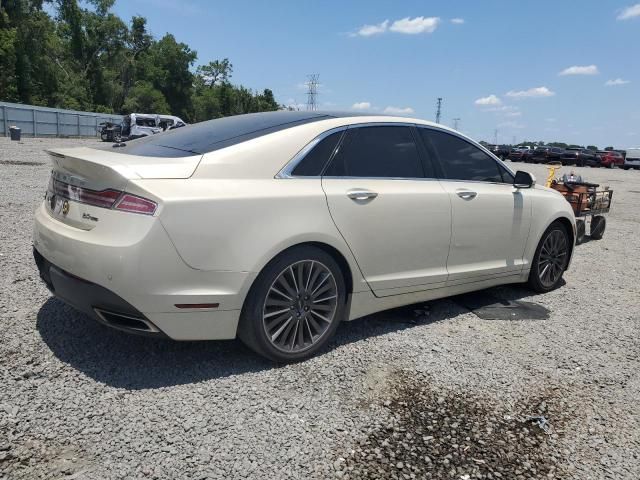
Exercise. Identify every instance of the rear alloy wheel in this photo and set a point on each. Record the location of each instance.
(551, 259)
(295, 305)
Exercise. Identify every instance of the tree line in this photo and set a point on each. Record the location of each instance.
(59, 53)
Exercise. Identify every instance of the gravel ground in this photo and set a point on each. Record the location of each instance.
(429, 391)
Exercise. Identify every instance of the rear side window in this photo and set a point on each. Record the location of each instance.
(461, 160)
(314, 161)
(378, 152)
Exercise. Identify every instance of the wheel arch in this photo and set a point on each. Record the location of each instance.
(331, 250)
(568, 225)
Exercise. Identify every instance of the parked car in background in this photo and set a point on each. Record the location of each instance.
(516, 155)
(546, 154)
(500, 151)
(610, 158)
(277, 226)
(632, 159)
(527, 155)
(137, 125)
(579, 156)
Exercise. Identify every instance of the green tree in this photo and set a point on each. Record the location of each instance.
(144, 98)
(216, 72)
(166, 66)
(85, 57)
(592, 148)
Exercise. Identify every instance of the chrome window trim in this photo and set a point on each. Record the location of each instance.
(475, 144)
(286, 171)
(412, 179)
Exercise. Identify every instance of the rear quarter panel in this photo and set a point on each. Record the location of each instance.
(239, 225)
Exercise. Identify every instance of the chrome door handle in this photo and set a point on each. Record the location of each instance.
(467, 194)
(361, 194)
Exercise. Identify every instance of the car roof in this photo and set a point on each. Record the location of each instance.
(211, 135)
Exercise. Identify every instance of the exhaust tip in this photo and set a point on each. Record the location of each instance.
(125, 322)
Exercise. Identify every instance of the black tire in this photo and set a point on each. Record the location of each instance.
(251, 329)
(535, 282)
(598, 225)
(626, 168)
(581, 231)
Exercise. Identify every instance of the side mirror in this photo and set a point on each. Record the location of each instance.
(524, 180)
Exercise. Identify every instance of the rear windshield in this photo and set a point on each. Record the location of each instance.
(211, 135)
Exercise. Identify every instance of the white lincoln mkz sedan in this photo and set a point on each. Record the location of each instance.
(274, 227)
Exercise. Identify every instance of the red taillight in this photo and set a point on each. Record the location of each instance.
(108, 198)
(103, 198)
(134, 204)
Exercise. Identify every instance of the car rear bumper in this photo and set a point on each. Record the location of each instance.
(106, 307)
(95, 301)
(140, 276)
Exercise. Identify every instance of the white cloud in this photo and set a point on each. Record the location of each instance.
(457, 21)
(551, 120)
(532, 92)
(407, 25)
(416, 25)
(513, 114)
(617, 81)
(361, 106)
(631, 11)
(369, 30)
(490, 100)
(398, 110)
(580, 70)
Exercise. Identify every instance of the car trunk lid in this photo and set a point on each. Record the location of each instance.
(85, 181)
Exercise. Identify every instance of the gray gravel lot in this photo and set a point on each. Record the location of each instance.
(438, 393)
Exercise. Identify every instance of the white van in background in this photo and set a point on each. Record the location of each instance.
(138, 125)
(632, 159)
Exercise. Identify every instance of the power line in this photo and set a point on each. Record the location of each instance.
(439, 110)
(312, 91)
(455, 123)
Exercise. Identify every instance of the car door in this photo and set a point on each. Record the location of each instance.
(490, 217)
(392, 212)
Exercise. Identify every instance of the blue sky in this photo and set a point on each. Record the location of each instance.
(503, 65)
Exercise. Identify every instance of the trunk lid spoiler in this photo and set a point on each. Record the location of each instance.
(103, 165)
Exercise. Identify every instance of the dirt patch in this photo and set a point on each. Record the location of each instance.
(50, 460)
(489, 307)
(439, 434)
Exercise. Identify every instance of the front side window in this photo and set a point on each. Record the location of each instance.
(378, 152)
(461, 160)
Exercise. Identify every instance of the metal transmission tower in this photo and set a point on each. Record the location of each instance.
(312, 91)
(439, 110)
(495, 136)
(456, 121)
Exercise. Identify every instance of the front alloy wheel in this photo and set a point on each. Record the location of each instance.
(551, 259)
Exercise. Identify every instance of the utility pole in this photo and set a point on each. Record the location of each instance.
(495, 136)
(455, 123)
(513, 140)
(312, 91)
(439, 110)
